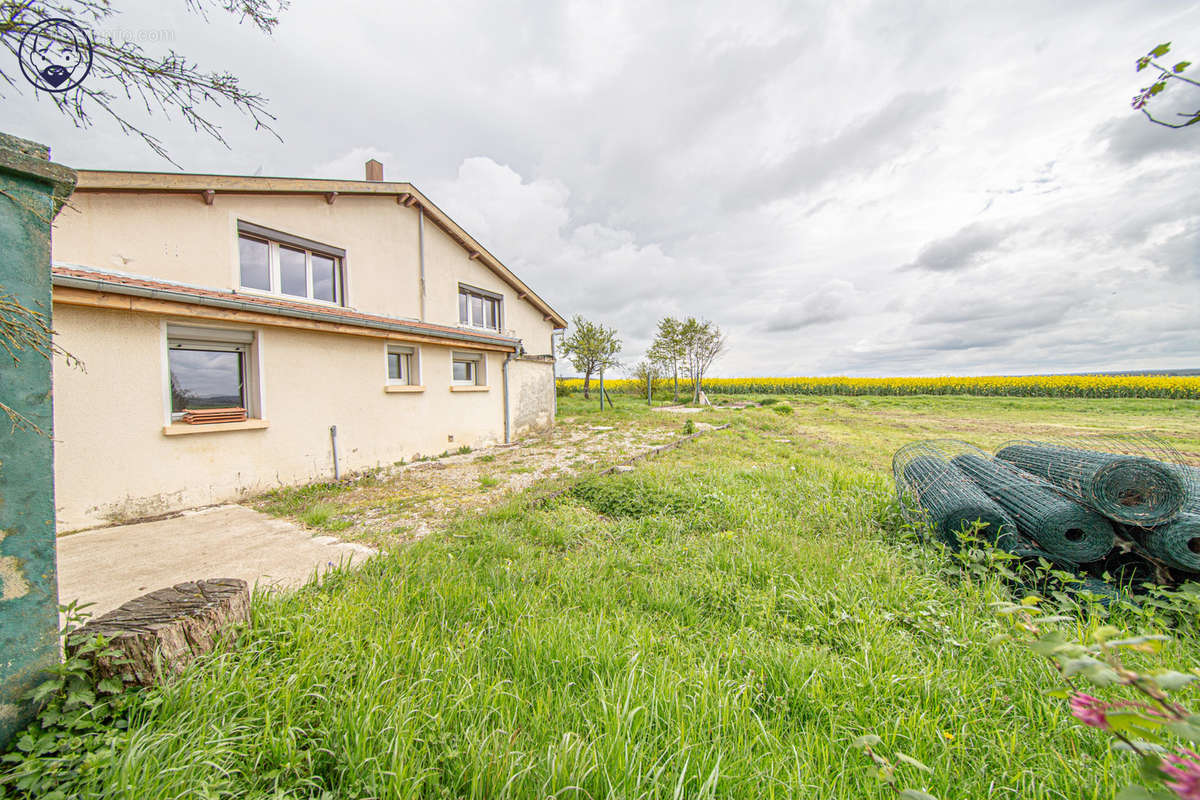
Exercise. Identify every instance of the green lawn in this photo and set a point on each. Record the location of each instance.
(597, 647)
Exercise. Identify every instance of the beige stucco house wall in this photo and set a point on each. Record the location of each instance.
(140, 257)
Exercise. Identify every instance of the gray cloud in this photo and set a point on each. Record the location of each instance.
(832, 302)
(1131, 138)
(862, 146)
(963, 249)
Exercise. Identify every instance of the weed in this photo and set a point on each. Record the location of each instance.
(323, 515)
(689, 428)
(485, 459)
(462, 451)
(487, 481)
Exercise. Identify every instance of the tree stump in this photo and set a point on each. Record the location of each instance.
(159, 634)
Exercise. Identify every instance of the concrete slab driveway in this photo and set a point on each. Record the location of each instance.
(110, 566)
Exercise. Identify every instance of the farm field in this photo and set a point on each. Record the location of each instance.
(1110, 386)
(722, 621)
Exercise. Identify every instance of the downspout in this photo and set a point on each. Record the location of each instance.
(507, 413)
(421, 254)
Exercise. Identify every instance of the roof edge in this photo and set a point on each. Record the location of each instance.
(179, 294)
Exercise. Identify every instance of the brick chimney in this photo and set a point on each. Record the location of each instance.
(374, 170)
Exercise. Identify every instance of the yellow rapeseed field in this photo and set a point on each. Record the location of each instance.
(1166, 386)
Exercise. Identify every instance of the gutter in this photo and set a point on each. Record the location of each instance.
(96, 285)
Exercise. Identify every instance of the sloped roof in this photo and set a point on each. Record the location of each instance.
(405, 194)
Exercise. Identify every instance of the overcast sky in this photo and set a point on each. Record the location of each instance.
(846, 188)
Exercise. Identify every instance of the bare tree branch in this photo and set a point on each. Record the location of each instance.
(163, 83)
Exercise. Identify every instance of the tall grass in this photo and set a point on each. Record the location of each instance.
(722, 622)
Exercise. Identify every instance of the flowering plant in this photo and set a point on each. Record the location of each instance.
(1140, 713)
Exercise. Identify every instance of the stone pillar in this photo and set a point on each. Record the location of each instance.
(31, 192)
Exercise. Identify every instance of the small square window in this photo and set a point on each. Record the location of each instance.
(402, 365)
(467, 369)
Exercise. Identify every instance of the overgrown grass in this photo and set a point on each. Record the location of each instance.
(721, 622)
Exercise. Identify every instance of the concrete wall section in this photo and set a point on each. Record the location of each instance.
(116, 463)
(531, 395)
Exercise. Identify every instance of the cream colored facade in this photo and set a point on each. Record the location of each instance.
(155, 251)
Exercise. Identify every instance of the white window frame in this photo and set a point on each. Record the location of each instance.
(410, 376)
(487, 297)
(478, 362)
(274, 240)
(247, 341)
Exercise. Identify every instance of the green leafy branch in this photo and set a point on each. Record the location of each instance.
(1166, 74)
(1141, 713)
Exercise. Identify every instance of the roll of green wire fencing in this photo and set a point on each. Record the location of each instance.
(932, 491)
(1191, 477)
(1176, 544)
(1060, 526)
(1128, 488)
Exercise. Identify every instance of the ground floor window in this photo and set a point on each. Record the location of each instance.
(210, 368)
(402, 365)
(468, 369)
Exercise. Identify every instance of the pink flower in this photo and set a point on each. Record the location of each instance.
(1184, 774)
(1089, 710)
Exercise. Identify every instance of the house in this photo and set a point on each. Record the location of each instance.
(239, 333)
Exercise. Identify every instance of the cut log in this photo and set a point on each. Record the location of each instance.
(159, 634)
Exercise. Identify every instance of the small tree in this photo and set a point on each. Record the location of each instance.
(703, 343)
(667, 349)
(592, 348)
(645, 374)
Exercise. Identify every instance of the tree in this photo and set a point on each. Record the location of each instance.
(1160, 84)
(667, 349)
(168, 82)
(645, 375)
(703, 343)
(592, 348)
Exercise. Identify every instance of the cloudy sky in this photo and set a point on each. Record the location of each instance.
(846, 188)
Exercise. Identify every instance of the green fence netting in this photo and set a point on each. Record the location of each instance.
(933, 491)
(1124, 487)
(1060, 526)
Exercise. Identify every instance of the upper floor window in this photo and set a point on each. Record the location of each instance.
(479, 308)
(279, 263)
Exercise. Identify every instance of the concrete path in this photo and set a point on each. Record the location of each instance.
(110, 566)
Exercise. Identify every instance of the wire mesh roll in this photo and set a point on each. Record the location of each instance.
(1060, 526)
(1177, 544)
(951, 502)
(1128, 488)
